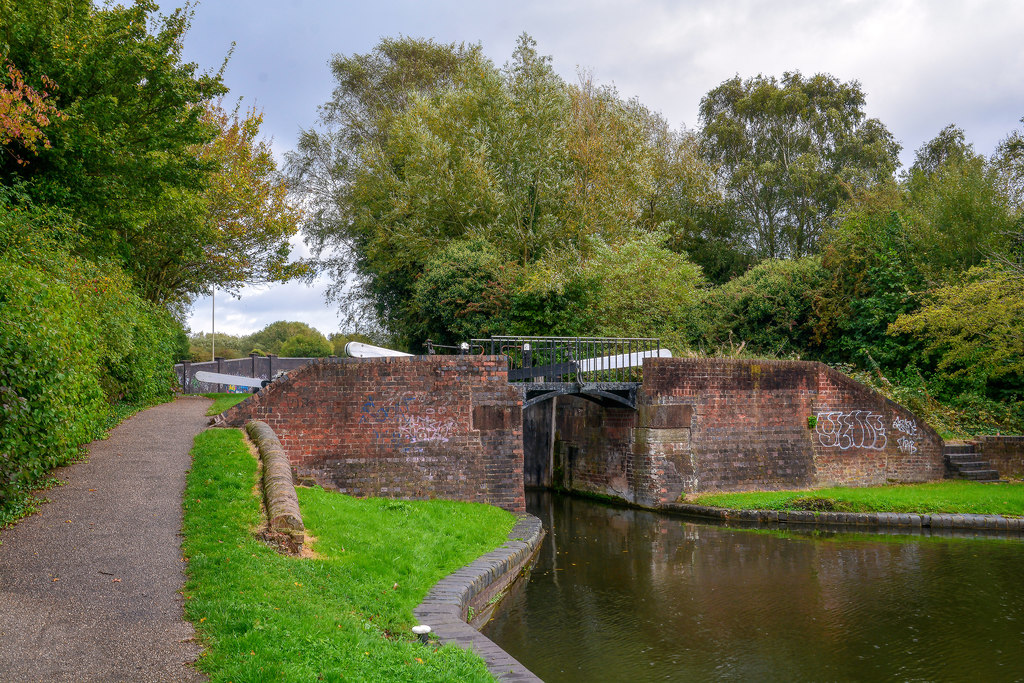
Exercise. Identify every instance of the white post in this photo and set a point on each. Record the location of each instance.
(213, 323)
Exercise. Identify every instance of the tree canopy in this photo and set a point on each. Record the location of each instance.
(790, 151)
(129, 140)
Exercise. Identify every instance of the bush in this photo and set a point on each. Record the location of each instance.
(769, 309)
(74, 338)
(873, 277)
(463, 294)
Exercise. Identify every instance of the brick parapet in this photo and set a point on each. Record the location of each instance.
(410, 427)
(1003, 453)
(718, 424)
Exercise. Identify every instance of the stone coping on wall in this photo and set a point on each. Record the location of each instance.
(447, 605)
(882, 520)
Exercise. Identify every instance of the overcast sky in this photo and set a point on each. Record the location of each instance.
(922, 64)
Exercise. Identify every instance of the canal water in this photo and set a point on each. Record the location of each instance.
(630, 595)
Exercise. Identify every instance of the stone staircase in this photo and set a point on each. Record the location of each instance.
(964, 462)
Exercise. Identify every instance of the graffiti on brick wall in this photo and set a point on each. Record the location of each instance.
(907, 442)
(851, 429)
(398, 419)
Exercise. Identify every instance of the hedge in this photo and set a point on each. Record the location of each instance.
(75, 339)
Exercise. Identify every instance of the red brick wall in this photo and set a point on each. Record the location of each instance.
(732, 425)
(411, 427)
(1004, 453)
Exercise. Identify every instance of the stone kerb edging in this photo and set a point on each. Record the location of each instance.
(888, 520)
(283, 515)
(447, 605)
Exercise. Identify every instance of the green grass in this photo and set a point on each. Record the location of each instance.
(955, 497)
(222, 402)
(338, 616)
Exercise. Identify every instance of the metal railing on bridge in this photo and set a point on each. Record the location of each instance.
(571, 359)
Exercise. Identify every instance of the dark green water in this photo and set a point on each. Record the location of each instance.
(628, 595)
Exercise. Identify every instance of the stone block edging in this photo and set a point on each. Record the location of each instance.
(283, 514)
(868, 519)
(447, 605)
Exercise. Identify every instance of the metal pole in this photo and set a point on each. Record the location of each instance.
(213, 322)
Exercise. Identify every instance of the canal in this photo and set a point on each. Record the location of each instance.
(629, 595)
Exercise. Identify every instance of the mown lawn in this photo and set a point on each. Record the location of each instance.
(223, 401)
(345, 614)
(955, 497)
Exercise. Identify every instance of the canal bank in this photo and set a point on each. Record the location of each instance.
(629, 594)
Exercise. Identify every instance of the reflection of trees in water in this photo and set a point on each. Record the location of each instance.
(634, 592)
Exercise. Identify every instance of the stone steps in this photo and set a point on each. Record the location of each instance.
(964, 462)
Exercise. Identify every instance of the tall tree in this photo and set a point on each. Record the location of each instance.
(515, 157)
(791, 151)
(134, 112)
(964, 215)
(235, 230)
(370, 91)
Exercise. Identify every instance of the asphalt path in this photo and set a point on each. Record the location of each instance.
(90, 586)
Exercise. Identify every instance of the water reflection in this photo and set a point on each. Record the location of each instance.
(628, 595)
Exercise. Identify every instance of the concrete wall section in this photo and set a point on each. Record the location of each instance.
(731, 425)
(412, 427)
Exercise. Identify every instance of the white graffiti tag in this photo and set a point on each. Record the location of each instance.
(906, 443)
(416, 429)
(853, 429)
(392, 419)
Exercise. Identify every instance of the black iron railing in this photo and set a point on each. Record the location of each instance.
(570, 359)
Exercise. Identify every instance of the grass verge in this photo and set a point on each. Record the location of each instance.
(344, 614)
(953, 497)
(223, 401)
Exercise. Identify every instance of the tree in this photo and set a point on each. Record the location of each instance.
(790, 152)
(371, 89)
(134, 113)
(643, 289)
(949, 146)
(874, 275)
(464, 293)
(1009, 163)
(181, 194)
(515, 157)
(273, 336)
(685, 200)
(964, 215)
(769, 309)
(234, 231)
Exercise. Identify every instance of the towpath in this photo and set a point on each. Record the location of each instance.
(89, 587)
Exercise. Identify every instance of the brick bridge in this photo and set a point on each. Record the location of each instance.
(456, 427)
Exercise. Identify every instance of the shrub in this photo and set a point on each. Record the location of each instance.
(74, 338)
(463, 293)
(769, 309)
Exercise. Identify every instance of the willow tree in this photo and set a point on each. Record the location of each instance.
(423, 145)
